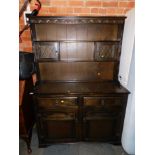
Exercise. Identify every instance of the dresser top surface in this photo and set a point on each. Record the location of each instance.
(77, 88)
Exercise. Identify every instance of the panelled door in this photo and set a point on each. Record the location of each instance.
(101, 118)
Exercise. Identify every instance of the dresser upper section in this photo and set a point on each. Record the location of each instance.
(74, 45)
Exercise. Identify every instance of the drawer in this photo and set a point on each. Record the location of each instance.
(47, 103)
(100, 101)
(59, 114)
(109, 104)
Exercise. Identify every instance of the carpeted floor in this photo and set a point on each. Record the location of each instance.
(71, 149)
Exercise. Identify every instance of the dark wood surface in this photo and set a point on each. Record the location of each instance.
(87, 111)
(77, 96)
(71, 88)
(76, 71)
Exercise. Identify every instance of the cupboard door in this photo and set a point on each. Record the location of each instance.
(57, 126)
(105, 51)
(46, 50)
(101, 127)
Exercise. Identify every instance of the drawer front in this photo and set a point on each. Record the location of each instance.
(59, 114)
(48, 103)
(109, 104)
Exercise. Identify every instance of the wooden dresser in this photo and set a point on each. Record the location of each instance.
(77, 95)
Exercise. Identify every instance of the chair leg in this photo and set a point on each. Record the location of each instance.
(27, 140)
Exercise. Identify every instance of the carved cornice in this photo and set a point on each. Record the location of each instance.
(79, 20)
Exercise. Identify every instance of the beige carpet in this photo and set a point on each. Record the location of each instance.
(71, 149)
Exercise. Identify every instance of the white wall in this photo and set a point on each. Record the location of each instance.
(127, 73)
(127, 47)
(128, 135)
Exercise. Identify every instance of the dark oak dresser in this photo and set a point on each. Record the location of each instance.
(77, 96)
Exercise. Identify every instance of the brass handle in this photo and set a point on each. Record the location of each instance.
(31, 93)
(98, 73)
(62, 101)
(59, 101)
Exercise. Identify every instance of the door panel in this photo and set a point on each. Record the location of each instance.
(101, 118)
(100, 128)
(58, 126)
